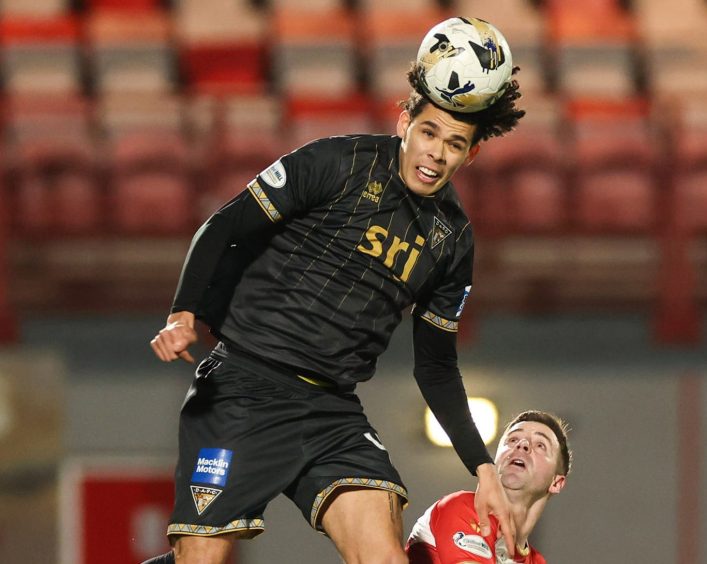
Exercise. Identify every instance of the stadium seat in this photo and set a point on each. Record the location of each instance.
(124, 57)
(9, 330)
(235, 127)
(522, 185)
(128, 5)
(674, 47)
(307, 119)
(41, 54)
(121, 114)
(314, 52)
(686, 124)
(389, 39)
(594, 46)
(616, 180)
(37, 116)
(50, 152)
(36, 8)
(150, 188)
(419, 6)
(222, 182)
(223, 46)
(671, 66)
(58, 193)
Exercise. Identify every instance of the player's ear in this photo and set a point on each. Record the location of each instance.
(404, 120)
(558, 483)
(473, 151)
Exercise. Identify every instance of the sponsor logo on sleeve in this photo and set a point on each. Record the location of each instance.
(467, 289)
(474, 544)
(212, 466)
(274, 175)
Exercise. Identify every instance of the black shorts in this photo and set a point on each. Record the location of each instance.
(249, 431)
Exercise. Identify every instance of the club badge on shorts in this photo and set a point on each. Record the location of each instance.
(212, 468)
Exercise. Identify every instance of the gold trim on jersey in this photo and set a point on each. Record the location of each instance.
(262, 198)
(441, 322)
(315, 382)
(256, 526)
(357, 483)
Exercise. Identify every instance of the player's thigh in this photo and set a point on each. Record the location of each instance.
(204, 550)
(366, 525)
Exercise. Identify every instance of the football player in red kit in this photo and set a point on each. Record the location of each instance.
(533, 460)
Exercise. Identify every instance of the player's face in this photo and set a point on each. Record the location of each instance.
(434, 146)
(528, 458)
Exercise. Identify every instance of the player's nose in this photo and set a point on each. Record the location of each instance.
(523, 445)
(437, 152)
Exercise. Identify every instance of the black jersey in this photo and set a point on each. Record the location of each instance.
(352, 248)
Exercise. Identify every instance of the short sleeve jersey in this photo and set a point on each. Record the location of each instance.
(351, 249)
(449, 533)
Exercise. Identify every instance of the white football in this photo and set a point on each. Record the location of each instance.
(466, 64)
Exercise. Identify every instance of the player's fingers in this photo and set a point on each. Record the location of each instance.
(484, 522)
(186, 356)
(162, 349)
(508, 530)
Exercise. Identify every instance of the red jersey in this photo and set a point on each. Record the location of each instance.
(449, 533)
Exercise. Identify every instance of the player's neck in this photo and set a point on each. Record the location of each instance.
(526, 512)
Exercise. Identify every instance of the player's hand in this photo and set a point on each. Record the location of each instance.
(491, 498)
(172, 342)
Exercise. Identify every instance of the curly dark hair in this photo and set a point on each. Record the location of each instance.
(496, 120)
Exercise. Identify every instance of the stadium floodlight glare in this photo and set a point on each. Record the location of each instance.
(485, 416)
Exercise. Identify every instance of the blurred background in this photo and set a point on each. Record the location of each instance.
(125, 123)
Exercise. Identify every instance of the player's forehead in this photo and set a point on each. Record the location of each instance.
(444, 122)
(534, 429)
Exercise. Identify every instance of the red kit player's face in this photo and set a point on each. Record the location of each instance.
(434, 146)
(527, 459)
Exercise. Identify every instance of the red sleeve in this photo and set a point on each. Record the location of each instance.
(536, 557)
(455, 527)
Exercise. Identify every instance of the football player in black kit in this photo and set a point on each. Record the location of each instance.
(303, 277)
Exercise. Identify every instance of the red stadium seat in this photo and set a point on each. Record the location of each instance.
(57, 190)
(307, 119)
(128, 5)
(616, 180)
(53, 165)
(222, 46)
(150, 189)
(314, 52)
(41, 54)
(389, 39)
(9, 330)
(522, 185)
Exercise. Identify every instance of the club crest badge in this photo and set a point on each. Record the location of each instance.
(439, 232)
(203, 497)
